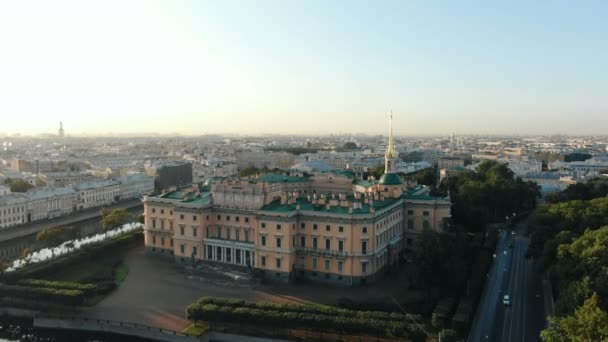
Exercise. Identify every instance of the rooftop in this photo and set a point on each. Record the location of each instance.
(277, 178)
(276, 206)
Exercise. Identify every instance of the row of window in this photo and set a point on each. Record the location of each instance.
(194, 217)
(424, 213)
(314, 243)
(314, 227)
(15, 210)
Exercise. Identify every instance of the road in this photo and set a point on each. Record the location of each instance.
(512, 274)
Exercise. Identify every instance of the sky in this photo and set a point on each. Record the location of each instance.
(304, 67)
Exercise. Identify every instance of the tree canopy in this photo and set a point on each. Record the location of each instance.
(19, 185)
(115, 218)
(588, 323)
(490, 194)
(572, 240)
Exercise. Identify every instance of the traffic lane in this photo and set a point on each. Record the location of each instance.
(484, 316)
(505, 316)
(535, 316)
(518, 292)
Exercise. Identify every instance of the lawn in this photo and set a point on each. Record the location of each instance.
(196, 329)
(121, 272)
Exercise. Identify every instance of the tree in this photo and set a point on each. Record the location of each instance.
(53, 237)
(249, 171)
(19, 185)
(587, 323)
(4, 265)
(115, 218)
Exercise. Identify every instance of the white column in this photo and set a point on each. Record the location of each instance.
(213, 252)
(233, 252)
(224, 254)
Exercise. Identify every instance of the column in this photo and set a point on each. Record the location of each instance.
(213, 251)
(233, 251)
(223, 254)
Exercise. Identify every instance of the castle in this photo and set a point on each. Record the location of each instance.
(329, 227)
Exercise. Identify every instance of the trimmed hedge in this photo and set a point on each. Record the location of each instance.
(64, 297)
(88, 289)
(316, 317)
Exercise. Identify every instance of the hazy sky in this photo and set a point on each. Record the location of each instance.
(304, 66)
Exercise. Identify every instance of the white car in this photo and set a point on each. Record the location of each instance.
(506, 300)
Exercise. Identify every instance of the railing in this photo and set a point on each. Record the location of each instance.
(119, 324)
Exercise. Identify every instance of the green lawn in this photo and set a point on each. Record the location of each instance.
(196, 329)
(120, 273)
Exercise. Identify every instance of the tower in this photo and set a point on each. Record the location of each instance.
(390, 181)
(390, 157)
(61, 133)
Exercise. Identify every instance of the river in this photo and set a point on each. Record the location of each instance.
(13, 249)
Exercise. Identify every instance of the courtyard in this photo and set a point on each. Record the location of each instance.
(156, 291)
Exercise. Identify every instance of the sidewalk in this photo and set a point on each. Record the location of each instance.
(548, 296)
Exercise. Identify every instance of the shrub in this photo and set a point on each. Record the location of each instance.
(317, 317)
(87, 289)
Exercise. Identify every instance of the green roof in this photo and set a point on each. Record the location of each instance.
(347, 173)
(202, 198)
(365, 183)
(277, 178)
(276, 206)
(390, 179)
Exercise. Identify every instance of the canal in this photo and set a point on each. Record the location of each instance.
(14, 248)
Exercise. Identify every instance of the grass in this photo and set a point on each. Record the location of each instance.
(196, 329)
(120, 273)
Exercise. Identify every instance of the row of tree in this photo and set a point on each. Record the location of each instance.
(594, 188)
(570, 237)
(314, 317)
(489, 194)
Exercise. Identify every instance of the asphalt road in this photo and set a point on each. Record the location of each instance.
(514, 275)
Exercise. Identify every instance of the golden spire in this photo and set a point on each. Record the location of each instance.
(390, 150)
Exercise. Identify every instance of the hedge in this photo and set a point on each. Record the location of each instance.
(64, 297)
(312, 309)
(88, 289)
(316, 317)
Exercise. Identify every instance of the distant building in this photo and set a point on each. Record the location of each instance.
(61, 179)
(447, 162)
(61, 132)
(13, 210)
(97, 193)
(5, 190)
(170, 174)
(38, 166)
(261, 159)
(135, 186)
(49, 203)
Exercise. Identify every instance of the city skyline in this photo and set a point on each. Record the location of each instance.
(305, 69)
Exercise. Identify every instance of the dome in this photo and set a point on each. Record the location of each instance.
(390, 179)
